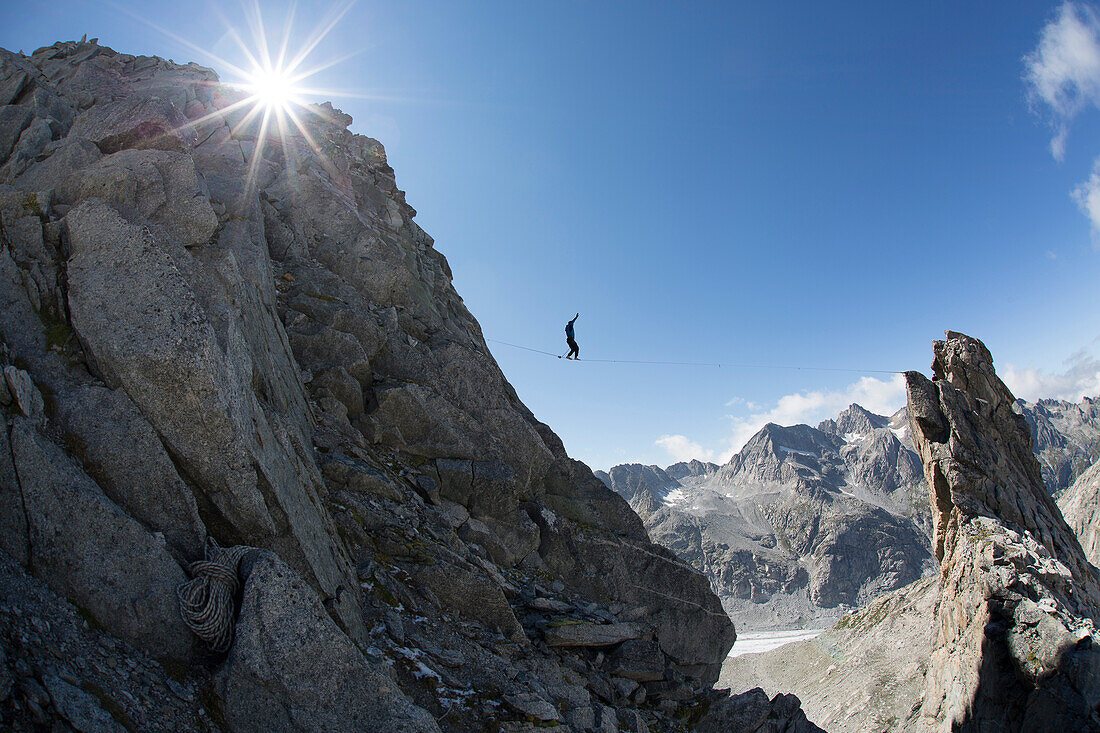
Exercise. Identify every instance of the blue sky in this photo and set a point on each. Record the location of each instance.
(767, 183)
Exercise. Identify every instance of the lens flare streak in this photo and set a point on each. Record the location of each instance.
(274, 87)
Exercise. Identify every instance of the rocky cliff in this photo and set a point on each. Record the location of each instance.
(209, 339)
(1003, 637)
(1013, 641)
(802, 525)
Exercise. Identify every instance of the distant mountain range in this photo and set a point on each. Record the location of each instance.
(1066, 438)
(805, 524)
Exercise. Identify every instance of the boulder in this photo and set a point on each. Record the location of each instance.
(145, 332)
(134, 122)
(61, 161)
(88, 549)
(408, 411)
(638, 660)
(292, 668)
(27, 397)
(13, 120)
(32, 142)
(752, 711)
(119, 448)
(566, 632)
(471, 593)
(78, 707)
(531, 704)
(352, 474)
(15, 76)
(674, 599)
(149, 185)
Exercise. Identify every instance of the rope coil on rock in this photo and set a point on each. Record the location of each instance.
(207, 600)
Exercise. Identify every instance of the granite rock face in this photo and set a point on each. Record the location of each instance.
(209, 336)
(291, 668)
(1013, 641)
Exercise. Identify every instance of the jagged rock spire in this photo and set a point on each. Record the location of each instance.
(1013, 646)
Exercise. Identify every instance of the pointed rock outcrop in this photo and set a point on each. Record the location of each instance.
(1013, 642)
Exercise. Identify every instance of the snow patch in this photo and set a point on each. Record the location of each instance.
(785, 449)
(675, 497)
(768, 640)
(854, 437)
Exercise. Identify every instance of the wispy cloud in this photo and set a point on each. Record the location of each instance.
(1063, 72)
(683, 449)
(1081, 378)
(1087, 196)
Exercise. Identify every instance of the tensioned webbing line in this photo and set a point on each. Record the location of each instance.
(730, 365)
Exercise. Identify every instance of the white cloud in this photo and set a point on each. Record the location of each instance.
(879, 396)
(682, 449)
(1087, 196)
(883, 397)
(1080, 379)
(1063, 72)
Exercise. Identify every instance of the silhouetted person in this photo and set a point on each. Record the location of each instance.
(574, 350)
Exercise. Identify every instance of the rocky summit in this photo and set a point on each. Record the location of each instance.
(1013, 647)
(259, 470)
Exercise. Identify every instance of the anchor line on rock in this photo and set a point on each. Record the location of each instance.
(720, 365)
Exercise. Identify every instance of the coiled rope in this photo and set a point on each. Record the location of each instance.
(207, 600)
(729, 365)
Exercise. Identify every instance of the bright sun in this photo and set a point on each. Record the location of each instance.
(275, 84)
(273, 88)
